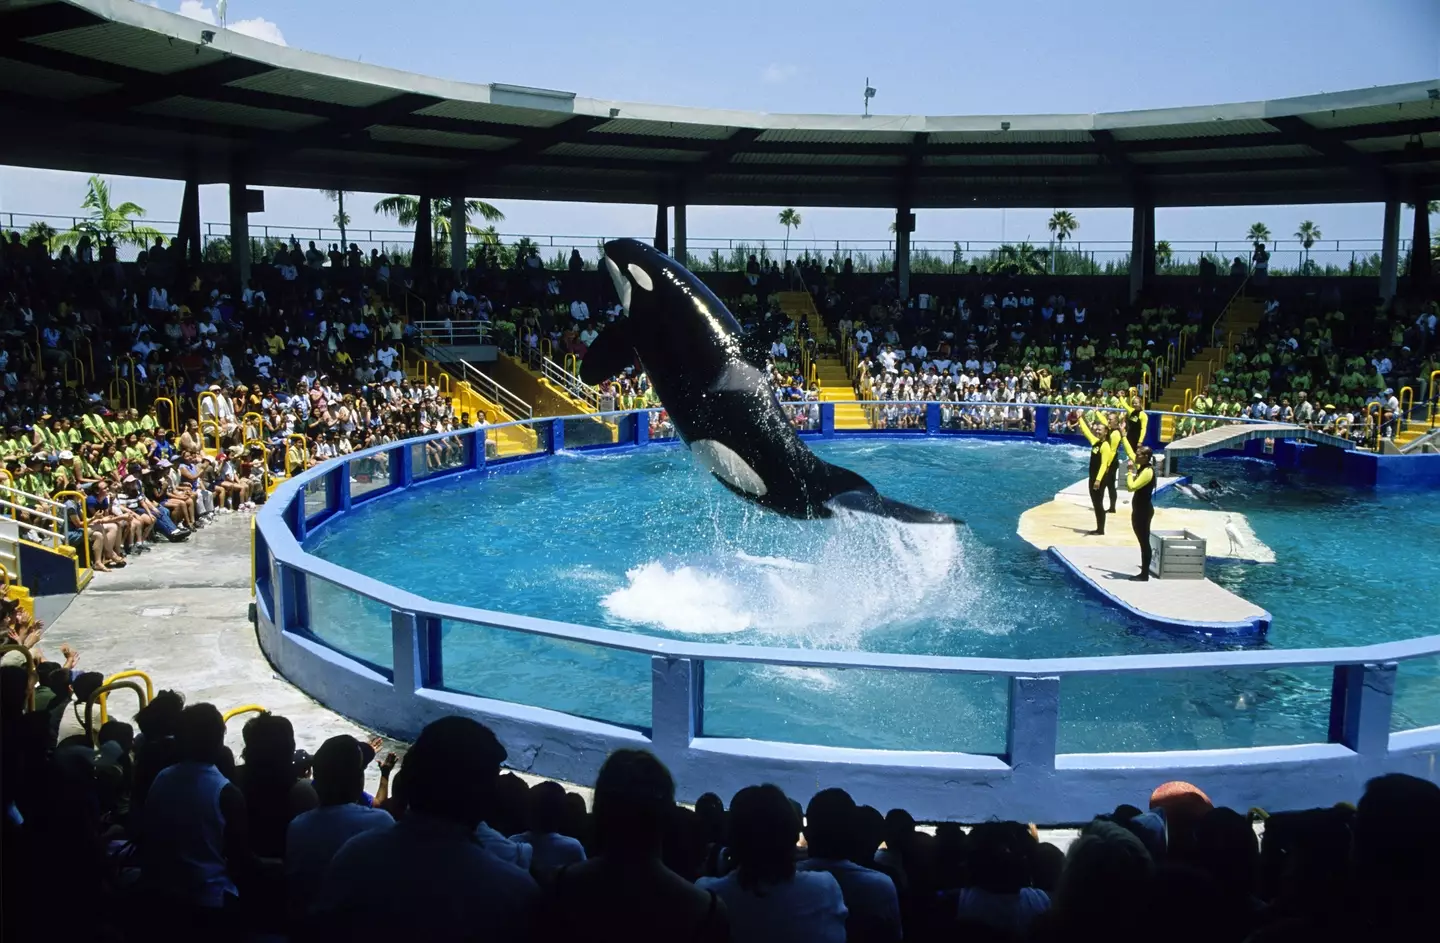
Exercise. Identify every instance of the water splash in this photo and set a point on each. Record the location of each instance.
(826, 585)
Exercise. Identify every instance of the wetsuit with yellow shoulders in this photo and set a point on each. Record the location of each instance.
(1140, 482)
(1102, 468)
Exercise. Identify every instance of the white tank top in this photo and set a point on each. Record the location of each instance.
(182, 847)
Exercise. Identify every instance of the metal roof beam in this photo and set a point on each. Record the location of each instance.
(345, 129)
(721, 154)
(534, 141)
(1334, 148)
(200, 82)
(30, 22)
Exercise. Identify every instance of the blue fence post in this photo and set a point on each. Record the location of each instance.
(932, 418)
(827, 419)
(556, 439)
(406, 658)
(677, 698)
(642, 427)
(1042, 423)
(475, 442)
(337, 489)
(292, 602)
(400, 471)
(1034, 723)
(1361, 700)
(296, 514)
(1152, 429)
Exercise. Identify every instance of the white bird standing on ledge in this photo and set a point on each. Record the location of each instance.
(1237, 539)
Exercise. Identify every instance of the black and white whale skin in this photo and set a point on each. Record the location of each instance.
(717, 393)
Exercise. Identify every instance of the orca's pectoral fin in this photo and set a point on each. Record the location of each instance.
(612, 352)
(870, 502)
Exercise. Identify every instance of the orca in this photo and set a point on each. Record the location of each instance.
(712, 382)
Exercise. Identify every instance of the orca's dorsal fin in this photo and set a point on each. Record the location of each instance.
(612, 352)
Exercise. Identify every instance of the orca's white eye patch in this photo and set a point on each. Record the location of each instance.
(642, 277)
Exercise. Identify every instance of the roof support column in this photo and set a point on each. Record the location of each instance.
(662, 234)
(187, 241)
(1142, 247)
(1390, 249)
(423, 252)
(240, 227)
(904, 226)
(1420, 246)
(680, 247)
(458, 235)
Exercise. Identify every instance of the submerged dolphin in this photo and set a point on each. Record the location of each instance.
(717, 392)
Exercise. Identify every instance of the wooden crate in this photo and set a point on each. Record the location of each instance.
(1177, 555)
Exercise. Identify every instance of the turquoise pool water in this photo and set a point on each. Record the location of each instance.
(645, 541)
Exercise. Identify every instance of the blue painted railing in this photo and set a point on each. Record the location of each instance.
(1029, 779)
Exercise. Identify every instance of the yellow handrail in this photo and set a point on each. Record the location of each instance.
(572, 365)
(84, 525)
(29, 670)
(1404, 417)
(245, 425)
(304, 452)
(89, 351)
(1433, 397)
(234, 712)
(174, 413)
(101, 691)
(445, 388)
(121, 676)
(1372, 420)
(213, 424)
(547, 349)
(1189, 395)
(1145, 383)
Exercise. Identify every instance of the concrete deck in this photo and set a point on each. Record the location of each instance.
(1198, 605)
(1064, 520)
(180, 613)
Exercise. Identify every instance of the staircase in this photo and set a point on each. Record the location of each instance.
(482, 398)
(828, 372)
(1240, 315)
(556, 391)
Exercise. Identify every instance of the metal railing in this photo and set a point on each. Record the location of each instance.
(446, 333)
(1028, 779)
(573, 386)
(486, 386)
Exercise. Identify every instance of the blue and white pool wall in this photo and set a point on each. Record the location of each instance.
(1030, 781)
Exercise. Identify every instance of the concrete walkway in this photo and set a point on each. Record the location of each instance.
(180, 613)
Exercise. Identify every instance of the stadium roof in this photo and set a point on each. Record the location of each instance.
(113, 86)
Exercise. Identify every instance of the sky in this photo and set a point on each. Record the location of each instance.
(931, 57)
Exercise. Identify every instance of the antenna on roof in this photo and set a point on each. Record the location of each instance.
(220, 11)
(869, 94)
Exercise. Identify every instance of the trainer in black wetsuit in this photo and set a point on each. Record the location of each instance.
(1136, 422)
(1141, 483)
(1102, 461)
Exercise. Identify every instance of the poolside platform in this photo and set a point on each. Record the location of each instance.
(1194, 605)
(1064, 520)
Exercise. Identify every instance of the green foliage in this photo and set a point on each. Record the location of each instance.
(40, 230)
(406, 211)
(108, 221)
(1062, 224)
(1258, 232)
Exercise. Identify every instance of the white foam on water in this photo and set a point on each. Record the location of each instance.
(862, 573)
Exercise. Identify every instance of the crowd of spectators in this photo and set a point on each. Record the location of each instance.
(161, 832)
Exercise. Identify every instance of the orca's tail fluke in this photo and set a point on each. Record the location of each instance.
(851, 492)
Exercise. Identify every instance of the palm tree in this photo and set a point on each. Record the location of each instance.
(107, 221)
(790, 220)
(1258, 232)
(40, 230)
(342, 218)
(1308, 234)
(406, 210)
(1022, 259)
(1062, 224)
(1163, 254)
